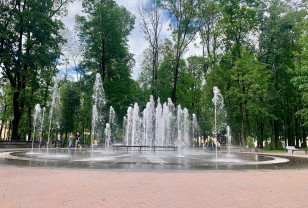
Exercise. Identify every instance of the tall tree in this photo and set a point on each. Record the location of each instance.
(184, 24)
(280, 31)
(104, 31)
(211, 32)
(29, 40)
(151, 24)
(300, 80)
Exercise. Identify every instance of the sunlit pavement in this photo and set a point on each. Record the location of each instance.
(47, 187)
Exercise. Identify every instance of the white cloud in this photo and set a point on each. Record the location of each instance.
(73, 9)
(136, 41)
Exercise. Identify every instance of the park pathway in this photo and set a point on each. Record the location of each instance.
(23, 187)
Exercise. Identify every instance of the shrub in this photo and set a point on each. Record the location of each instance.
(87, 139)
(266, 146)
(272, 146)
(279, 145)
(250, 142)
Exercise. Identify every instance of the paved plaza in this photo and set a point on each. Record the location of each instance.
(47, 187)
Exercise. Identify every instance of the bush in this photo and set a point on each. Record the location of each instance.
(250, 142)
(279, 145)
(272, 146)
(87, 139)
(266, 146)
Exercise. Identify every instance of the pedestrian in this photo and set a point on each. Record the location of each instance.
(212, 146)
(70, 140)
(41, 141)
(218, 145)
(95, 143)
(59, 139)
(78, 140)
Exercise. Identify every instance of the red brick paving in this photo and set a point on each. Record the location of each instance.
(39, 187)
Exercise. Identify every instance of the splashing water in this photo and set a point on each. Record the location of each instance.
(107, 136)
(218, 106)
(55, 104)
(229, 139)
(164, 125)
(36, 114)
(99, 102)
(42, 125)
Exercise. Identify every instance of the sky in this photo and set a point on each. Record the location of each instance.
(136, 41)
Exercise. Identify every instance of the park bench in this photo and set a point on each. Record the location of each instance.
(144, 148)
(290, 149)
(294, 151)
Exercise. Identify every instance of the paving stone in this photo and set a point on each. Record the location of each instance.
(39, 187)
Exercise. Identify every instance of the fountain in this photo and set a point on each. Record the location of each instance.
(42, 126)
(218, 106)
(55, 104)
(99, 102)
(160, 126)
(107, 136)
(94, 121)
(37, 111)
(194, 129)
(229, 139)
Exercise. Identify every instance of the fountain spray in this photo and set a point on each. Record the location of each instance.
(54, 102)
(37, 111)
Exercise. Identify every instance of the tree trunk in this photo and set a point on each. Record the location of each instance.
(297, 133)
(17, 116)
(276, 134)
(304, 137)
(9, 130)
(3, 120)
(176, 72)
(30, 121)
(103, 64)
(246, 117)
(261, 139)
(289, 133)
(242, 125)
(272, 132)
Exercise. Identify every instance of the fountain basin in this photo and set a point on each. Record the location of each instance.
(187, 160)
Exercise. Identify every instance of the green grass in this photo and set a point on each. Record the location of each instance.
(274, 151)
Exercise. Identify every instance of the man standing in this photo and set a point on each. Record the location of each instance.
(59, 139)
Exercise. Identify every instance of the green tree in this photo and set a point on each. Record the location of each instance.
(280, 31)
(190, 84)
(300, 80)
(70, 102)
(151, 24)
(104, 34)
(239, 19)
(29, 41)
(211, 32)
(184, 24)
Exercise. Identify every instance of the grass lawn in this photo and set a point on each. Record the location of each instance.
(274, 151)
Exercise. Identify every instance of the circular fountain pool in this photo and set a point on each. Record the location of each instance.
(170, 161)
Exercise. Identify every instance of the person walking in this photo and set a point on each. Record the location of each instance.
(59, 139)
(218, 145)
(78, 140)
(70, 140)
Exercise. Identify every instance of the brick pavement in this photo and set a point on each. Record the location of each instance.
(43, 187)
